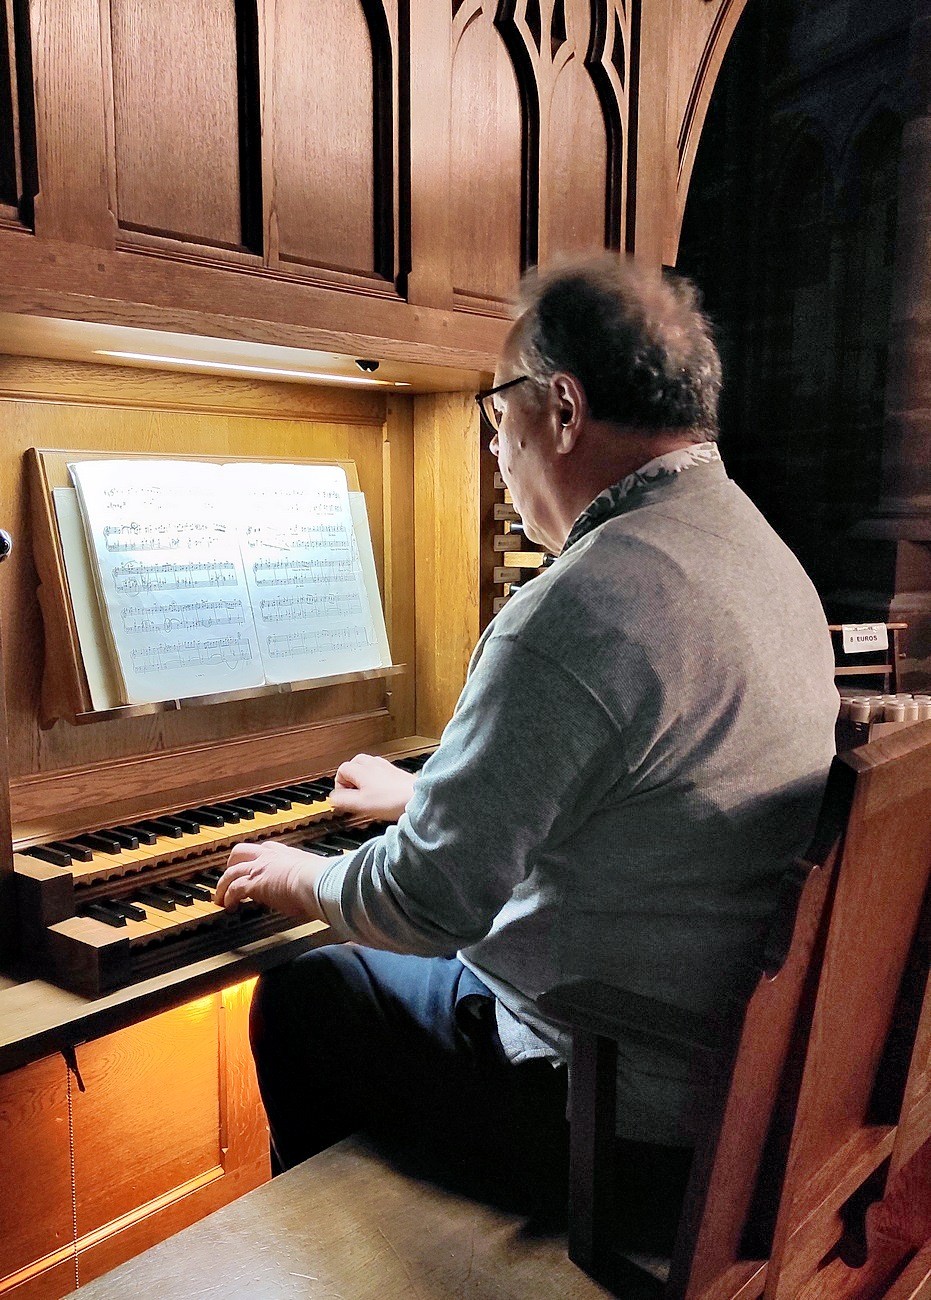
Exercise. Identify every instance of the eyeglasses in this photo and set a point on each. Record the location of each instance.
(490, 415)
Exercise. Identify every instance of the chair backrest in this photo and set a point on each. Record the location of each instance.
(868, 1018)
(824, 1075)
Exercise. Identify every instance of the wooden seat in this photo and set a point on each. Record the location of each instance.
(348, 1224)
(812, 1182)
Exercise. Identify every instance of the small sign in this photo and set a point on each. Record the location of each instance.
(861, 637)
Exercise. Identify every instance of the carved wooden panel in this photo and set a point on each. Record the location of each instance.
(702, 34)
(582, 59)
(170, 1127)
(149, 1138)
(180, 84)
(487, 188)
(330, 112)
(576, 165)
(35, 1170)
(17, 115)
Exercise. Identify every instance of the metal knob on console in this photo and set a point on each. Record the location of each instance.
(6, 544)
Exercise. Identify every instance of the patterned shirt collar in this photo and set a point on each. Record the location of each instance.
(610, 501)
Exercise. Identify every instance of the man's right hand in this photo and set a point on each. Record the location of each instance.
(371, 787)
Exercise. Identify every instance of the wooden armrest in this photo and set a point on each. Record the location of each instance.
(611, 1012)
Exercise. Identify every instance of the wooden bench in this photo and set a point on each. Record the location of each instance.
(813, 1181)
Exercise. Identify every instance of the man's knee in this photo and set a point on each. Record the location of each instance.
(296, 1002)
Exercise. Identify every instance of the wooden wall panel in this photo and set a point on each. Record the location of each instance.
(170, 1128)
(17, 116)
(175, 118)
(700, 37)
(331, 171)
(150, 1118)
(35, 1171)
(349, 426)
(452, 480)
(485, 161)
(583, 72)
(576, 165)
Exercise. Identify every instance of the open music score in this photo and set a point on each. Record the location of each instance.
(218, 577)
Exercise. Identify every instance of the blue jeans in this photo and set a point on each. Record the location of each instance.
(348, 1038)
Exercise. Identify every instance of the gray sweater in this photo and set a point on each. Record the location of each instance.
(637, 755)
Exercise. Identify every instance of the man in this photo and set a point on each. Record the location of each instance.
(637, 755)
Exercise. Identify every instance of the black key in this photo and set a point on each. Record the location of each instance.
(206, 816)
(100, 912)
(320, 849)
(177, 891)
(258, 803)
(199, 891)
(296, 795)
(125, 839)
(278, 798)
(283, 792)
(161, 902)
(99, 842)
(46, 853)
(352, 834)
(240, 808)
(132, 911)
(183, 824)
(77, 851)
(163, 827)
(340, 842)
(140, 833)
(188, 823)
(325, 782)
(413, 764)
(207, 878)
(312, 790)
(232, 814)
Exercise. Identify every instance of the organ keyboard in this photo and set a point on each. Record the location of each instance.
(114, 904)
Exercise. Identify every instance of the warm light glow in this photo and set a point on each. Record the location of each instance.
(235, 367)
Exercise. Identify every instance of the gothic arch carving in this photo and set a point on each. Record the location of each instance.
(491, 193)
(706, 60)
(334, 180)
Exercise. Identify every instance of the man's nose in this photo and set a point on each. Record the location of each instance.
(493, 445)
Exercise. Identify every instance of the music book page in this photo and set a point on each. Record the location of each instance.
(214, 578)
(166, 558)
(303, 570)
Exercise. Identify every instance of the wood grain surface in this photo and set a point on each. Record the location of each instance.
(348, 1224)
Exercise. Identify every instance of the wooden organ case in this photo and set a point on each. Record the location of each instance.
(74, 775)
(183, 175)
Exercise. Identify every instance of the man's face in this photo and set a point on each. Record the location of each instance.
(519, 443)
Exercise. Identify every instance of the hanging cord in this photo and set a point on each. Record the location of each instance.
(71, 1061)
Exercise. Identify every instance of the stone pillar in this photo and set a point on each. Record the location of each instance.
(900, 527)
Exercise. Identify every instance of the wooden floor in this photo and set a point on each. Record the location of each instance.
(349, 1226)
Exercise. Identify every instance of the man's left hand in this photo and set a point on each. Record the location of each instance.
(275, 874)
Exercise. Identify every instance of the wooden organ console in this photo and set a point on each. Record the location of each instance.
(117, 823)
(114, 904)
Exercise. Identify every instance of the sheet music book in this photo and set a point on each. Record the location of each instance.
(220, 577)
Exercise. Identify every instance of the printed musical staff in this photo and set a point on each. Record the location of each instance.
(133, 577)
(227, 651)
(299, 573)
(325, 642)
(134, 536)
(287, 609)
(185, 616)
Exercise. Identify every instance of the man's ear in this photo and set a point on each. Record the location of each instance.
(570, 407)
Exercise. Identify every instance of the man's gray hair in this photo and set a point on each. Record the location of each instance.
(635, 340)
